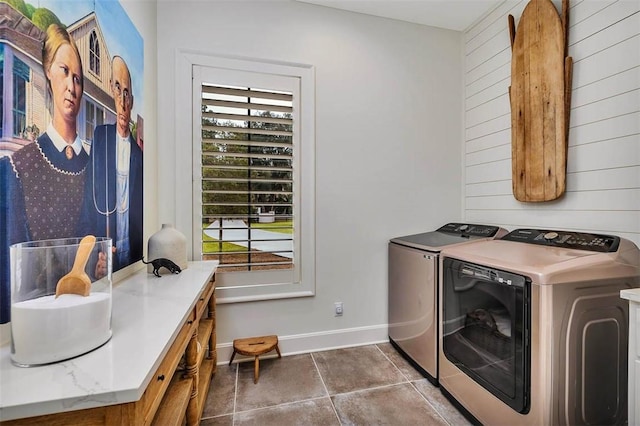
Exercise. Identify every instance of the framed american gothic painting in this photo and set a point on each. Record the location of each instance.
(71, 151)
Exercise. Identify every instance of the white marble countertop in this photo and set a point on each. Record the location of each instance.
(632, 294)
(146, 314)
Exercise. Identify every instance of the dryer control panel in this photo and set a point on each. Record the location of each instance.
(469, 229)
(565, 239)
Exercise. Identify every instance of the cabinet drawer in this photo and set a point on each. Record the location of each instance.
(201, 304)
(160, 381)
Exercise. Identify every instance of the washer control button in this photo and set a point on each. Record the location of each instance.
(550, 236)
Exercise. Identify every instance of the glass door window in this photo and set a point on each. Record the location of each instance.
(486, 320)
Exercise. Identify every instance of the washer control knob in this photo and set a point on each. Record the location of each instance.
(464, 227)
(550, 236)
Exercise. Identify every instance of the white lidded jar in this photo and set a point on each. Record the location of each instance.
(168, 243)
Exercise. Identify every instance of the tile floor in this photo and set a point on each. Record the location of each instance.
(363, 385)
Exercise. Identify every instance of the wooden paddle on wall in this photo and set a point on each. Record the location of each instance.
(540, 96)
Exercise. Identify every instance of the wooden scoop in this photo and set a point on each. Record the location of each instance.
(77, 281)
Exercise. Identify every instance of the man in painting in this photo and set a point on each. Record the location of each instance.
(113, 190)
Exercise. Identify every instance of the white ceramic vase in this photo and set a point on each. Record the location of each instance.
(169, 243)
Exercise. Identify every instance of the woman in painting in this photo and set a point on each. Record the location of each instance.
(45, 179)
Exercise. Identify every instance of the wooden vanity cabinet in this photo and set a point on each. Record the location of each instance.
(178, 390)
(186, 387)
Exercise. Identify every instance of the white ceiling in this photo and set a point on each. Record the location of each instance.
(450, 14)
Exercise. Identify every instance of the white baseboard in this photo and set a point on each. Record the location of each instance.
(314, 342)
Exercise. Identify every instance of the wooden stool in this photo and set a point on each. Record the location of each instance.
(255, 346)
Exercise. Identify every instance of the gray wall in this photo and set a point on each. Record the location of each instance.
(388, 148)
(402, 111)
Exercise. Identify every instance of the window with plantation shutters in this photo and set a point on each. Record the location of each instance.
(247, 177)
(253, 178)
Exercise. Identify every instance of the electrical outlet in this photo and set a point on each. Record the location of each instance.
(339, 309)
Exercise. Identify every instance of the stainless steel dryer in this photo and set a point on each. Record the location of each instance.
(533, 330)
(413, 289)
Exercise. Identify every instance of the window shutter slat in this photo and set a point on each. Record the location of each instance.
(241, 142)
(241, 117)
(247, 130)
(246, 105)
(219, 90)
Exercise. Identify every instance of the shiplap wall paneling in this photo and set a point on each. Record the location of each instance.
(487, 110)
(603, 166)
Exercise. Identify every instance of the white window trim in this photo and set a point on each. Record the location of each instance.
(185, 217)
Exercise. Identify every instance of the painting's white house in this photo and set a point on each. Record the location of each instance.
(21, 63)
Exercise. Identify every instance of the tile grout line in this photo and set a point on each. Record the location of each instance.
(435, 409)
(390, 385)
(407, 379)
(235, 396)
(325, 388)
(414, 387)
(284, 404)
